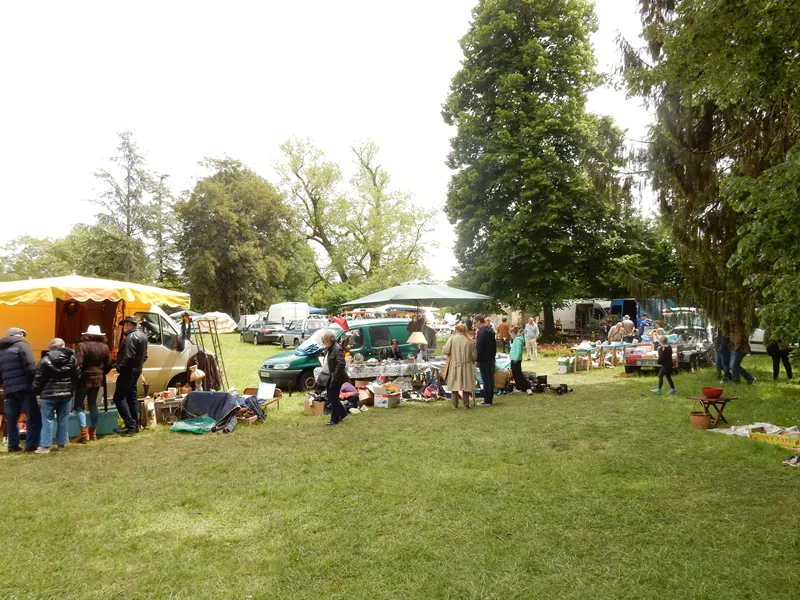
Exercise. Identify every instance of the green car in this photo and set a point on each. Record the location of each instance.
(295, 370)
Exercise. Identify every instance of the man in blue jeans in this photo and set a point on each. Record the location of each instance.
(17, 368)
(722, 343)
(486, 346)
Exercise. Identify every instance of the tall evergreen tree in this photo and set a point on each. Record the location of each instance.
(126, 209)
(528, 197)
(723, 78)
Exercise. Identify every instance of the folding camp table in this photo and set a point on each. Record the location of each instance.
(718, 404)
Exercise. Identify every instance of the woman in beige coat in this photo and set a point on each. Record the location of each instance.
(461, 373)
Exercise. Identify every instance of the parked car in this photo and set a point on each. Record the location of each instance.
(262, 332)
(295, 370)
(300, 330)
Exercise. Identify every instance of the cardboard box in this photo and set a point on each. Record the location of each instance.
(387, 400)
(313, 408)
(366, 397)
(360, 383)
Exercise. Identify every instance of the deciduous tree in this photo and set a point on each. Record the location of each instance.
(239, 241)
(530, 195)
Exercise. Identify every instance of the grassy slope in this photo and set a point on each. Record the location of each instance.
(605, 493)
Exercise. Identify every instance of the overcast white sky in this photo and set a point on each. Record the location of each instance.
(197, 79)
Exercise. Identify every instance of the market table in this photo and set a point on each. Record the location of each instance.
(718, 404)
(397, 369)
(602, 350)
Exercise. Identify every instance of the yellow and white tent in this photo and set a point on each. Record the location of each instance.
(36, 304)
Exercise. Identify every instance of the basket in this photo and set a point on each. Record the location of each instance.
(699, 419)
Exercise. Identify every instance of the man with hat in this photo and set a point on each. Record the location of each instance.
(17, 368)
(132, 355)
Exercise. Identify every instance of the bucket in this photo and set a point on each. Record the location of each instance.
(699, 419)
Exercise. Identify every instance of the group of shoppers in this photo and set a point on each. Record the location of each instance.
(64, 378)
(464, 353)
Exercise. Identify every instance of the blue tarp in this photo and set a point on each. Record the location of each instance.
(312, 310)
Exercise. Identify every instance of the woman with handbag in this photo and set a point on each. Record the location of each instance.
(460, 367)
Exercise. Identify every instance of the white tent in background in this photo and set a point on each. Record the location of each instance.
(224, 322)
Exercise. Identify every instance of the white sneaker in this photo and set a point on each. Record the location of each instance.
(42, 451)
(529, 391)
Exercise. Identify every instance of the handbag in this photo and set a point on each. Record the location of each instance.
(446, 369)
(323, 380)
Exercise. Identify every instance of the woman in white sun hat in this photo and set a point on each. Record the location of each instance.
(94, 360)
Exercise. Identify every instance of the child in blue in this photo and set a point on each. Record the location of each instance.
(665, 360)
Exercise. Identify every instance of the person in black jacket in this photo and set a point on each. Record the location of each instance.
(394, 351)
(665, 360)
(486, 345)
(132, 355)
(55, 380)
(779, 352)
(17, 369)
(336, 370)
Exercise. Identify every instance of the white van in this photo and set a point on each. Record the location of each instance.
(580, 315)
(167, 358)
(286, 312)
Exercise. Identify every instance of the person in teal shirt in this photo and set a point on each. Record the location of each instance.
(517, 346)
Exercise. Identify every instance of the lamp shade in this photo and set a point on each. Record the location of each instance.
(417, 338)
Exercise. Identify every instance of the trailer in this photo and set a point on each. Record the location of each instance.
(686, 357)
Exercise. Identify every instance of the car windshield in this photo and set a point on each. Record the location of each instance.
(315, 341)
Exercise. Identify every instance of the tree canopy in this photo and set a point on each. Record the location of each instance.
(239, 241)
(368, 235)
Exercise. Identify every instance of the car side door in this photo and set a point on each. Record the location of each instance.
(290, 333)
(400, 333)
(357, 342)
(249, 331)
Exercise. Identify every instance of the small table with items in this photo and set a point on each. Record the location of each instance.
(718, 404)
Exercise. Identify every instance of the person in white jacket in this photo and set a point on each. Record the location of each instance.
(531, 335)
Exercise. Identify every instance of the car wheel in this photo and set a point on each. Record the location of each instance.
(630, 370)
(307, 381)
(296, 342)
(283, 343)
(255, 340)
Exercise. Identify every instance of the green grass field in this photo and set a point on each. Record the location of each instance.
(604, 493)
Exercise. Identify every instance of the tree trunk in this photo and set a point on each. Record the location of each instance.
(549, 332)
